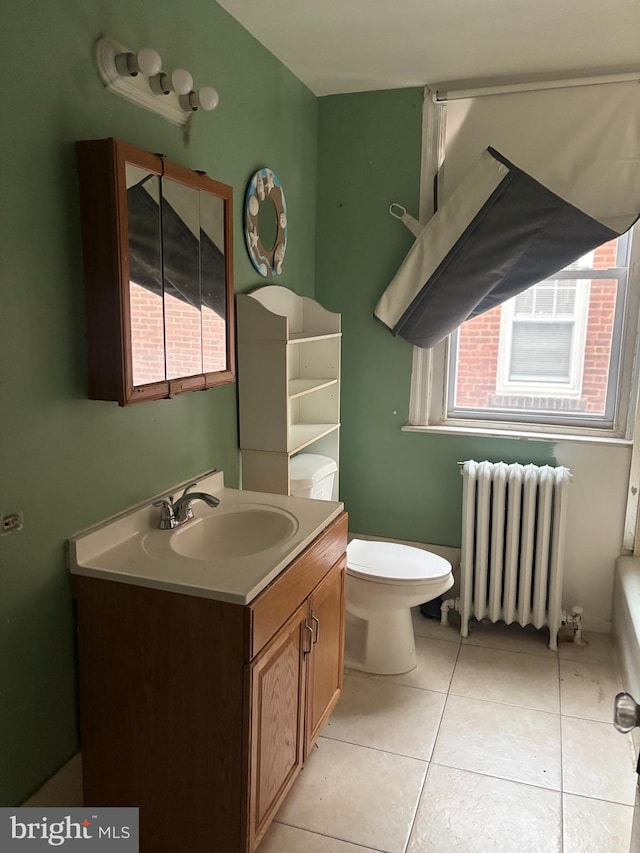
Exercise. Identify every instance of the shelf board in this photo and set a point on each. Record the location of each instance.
(303, 337)
(301, 435)
(300, 387)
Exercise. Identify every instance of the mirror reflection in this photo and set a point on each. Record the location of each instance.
(177, 287)
(268, 223)
(145, 273)
(181, 271)
(213, 283)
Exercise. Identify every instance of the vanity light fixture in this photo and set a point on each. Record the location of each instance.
(139, 78)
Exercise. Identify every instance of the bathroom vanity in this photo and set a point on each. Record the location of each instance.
(205, 679)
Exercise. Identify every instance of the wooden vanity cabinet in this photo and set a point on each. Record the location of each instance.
(201, 712)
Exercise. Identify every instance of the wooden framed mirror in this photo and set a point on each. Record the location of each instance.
(158, 270)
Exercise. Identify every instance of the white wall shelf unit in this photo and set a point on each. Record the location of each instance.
(288, 384)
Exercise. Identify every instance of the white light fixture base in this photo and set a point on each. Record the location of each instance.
(136, 89)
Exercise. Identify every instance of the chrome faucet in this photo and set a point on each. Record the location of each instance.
(177, 512)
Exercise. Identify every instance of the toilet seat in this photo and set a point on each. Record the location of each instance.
(390, 562)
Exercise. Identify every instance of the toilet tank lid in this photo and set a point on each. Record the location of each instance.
(392, 561)
(307, 469)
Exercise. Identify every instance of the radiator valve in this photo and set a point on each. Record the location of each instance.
(445, 607)
(574, 619)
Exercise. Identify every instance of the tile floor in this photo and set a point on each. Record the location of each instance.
(492, 744)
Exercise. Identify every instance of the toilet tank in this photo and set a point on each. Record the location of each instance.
(312, 476)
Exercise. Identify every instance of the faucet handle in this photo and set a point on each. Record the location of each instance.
(167, 515)
(190, 486)
(185, 513)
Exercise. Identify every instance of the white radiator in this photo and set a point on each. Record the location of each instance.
(513, 542)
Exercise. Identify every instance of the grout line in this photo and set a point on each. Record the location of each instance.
(381, 679)
(376, 748)
(598, 800)
(417, 808)
(500, 778)
(446, 702)
(326, 835)
(561, 758)
(506, 704)
(547, 655)
(373, 748)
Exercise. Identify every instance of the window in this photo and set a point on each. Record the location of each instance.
(556, 358)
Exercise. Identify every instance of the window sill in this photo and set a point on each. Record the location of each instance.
(497, 432)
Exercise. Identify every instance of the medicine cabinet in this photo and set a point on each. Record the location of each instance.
(158, 271)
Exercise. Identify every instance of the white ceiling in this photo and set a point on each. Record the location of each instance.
(337, 46)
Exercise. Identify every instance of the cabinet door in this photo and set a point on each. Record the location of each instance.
(277, 716)
(326, 662)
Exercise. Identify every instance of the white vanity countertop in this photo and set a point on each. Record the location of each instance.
(130, 549)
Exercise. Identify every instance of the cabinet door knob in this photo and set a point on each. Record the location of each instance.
(316, 622)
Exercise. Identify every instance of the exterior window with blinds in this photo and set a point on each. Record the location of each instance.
(542, 340)
(549, 355)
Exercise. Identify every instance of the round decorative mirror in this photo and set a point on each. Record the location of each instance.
(265, 222)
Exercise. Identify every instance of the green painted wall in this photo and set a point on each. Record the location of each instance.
(68, 462)
(397, 484)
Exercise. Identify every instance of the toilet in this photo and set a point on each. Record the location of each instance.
(384, 581)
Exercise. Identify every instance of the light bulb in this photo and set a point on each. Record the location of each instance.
(180, 82)
(206, 98)
(147, 60)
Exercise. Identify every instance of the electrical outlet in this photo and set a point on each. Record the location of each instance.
(11, 522)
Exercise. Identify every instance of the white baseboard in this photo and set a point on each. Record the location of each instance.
(62, 790)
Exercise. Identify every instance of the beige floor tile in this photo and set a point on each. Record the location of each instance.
(594, 826)
(386, 715)
(512, 743)
(588, 690)
(423, 627)
(435, 662)
(512, 638)
(462, 811)
(530, 681)
(356, 794)
(597, 761)
(289, 839)
(599, 649)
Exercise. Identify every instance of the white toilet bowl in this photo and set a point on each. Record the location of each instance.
(384, 581)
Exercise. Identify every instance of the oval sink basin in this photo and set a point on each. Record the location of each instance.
(237, 533)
